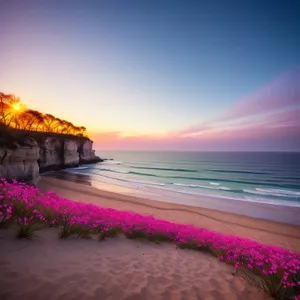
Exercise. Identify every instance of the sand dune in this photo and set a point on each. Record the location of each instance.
(47, 267)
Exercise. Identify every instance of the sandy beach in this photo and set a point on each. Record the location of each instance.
(47, 267)
(263, 231)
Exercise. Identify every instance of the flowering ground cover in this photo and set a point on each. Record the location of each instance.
(275, 270)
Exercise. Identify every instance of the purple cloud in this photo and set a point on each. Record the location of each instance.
(283, 92)
(267, 120)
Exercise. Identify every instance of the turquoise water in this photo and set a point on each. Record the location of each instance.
(272, 178)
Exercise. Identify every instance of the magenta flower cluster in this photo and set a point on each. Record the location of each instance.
(50, 209)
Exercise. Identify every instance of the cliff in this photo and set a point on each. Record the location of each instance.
(20, 162)
(63, 152)
(24, 157)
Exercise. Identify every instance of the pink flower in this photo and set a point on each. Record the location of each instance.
(60, 211)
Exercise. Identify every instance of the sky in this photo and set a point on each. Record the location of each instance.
(159, 75)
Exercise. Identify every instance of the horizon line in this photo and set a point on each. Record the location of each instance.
(223, 151)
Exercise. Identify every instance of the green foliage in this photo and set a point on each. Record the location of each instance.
(158, 237)
(271, 284)
(50, 216)
(136, 234)
(75, 230)
(25, 230)
(109, 233)
(188, 245)
(5, 222)
(20, 210)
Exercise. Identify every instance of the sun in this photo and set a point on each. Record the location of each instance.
(16, 107)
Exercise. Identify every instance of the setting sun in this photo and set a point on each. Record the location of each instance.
(16, 106)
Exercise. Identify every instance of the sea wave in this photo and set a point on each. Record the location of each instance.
(147, 182)
(255, 187)
(80, 168)
(260, 200)
(112, 162)
(129, 181)
(127, 172)
(274, 183)
(248, 182)
(280, 192)
(114, 170)
(203, 186)
(207, 191)
(144, 174)
(268, 192)
(225, 188)
(166, 169)
(237, 172)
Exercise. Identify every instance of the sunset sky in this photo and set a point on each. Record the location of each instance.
(165, 75)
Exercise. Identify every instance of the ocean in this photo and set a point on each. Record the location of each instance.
(259, 177)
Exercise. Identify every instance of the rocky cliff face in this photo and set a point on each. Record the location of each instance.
(43, 153)
(58, 153)
(71, 153)
(86, 152)
(20, 162)
(51, 153)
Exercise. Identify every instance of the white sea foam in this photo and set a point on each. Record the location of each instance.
(224, 188)
(146, 182)
(214, 183)
(268, 192)
(280, 192)
(203, 186)
(206, 192)
(112, 162)
(114, 170)
(79, 168)
(236, 198)
(181, 184)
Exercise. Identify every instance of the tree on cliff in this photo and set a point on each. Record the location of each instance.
(9, 108)
(13, 114)
(29, 120)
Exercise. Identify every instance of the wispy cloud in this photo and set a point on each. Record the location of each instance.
(266, 119)
(282, 93)
(276, 101)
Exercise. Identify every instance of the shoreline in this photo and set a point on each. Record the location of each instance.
(274, 212)
(261, 230)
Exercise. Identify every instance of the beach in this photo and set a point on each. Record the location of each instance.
(47, 267)
(150, 150)
(116, 269)
(258, 185)
(111, 196)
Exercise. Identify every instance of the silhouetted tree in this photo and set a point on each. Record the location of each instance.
(13, 114)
